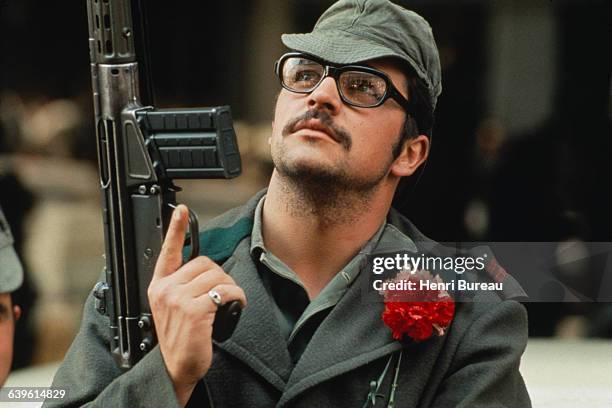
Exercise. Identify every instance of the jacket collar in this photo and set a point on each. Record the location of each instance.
(257, 340)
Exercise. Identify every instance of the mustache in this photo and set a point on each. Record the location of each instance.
(342, 136)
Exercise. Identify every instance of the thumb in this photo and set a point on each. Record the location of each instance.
(171, 254)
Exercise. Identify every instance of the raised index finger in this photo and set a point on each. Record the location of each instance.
(171, 254)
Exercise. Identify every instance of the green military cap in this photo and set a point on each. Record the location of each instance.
(11, 273)
(353, 31)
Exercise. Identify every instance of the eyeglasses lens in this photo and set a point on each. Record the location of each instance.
(362, 88)
(302, 75)
(357, 88)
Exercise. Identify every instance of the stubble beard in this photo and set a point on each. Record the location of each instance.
(327, 194)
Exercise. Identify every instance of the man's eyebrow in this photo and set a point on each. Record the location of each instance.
(3, 310)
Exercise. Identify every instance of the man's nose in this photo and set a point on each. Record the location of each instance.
(326, 96)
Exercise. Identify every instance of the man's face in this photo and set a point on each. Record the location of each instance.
(7, 328)
(318, 135)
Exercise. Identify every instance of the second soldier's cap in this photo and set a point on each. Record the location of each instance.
(11, 272)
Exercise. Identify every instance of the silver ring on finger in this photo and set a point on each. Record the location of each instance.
(215, 297)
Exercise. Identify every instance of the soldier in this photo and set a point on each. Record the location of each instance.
(353, 117)
(11, 277)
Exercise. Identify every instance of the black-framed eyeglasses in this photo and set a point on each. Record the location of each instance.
(357, 85)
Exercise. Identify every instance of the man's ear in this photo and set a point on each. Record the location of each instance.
(413, 154)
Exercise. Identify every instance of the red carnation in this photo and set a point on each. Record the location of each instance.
(417, 319)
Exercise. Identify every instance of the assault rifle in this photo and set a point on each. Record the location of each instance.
(141, 151)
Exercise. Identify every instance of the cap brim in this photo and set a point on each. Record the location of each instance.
(11, 272)
(337, 47)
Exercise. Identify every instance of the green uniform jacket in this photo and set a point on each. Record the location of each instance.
(476, 364)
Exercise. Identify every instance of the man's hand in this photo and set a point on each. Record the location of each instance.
(183, 311)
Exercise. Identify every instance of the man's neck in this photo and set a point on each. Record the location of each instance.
(316, 238)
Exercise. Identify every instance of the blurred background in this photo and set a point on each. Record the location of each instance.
(521, 147)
